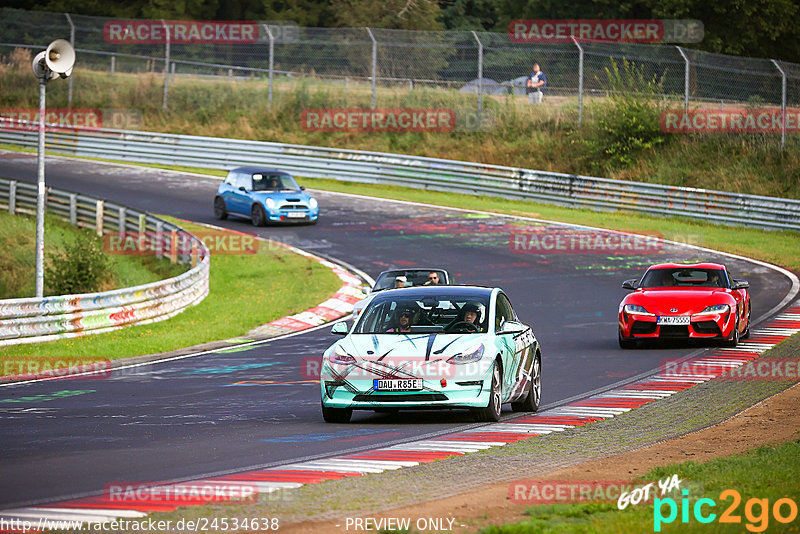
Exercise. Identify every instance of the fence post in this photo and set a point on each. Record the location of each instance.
(12, 197)
(142, 233)
(166, 66)
(122, 214)
(374, 65)
(686, 79)
(159, 239)
(98, 217)
(580, 80)
(480, 71)
(173, 246)
(783, 103)
(72, 42)
(113, 64)
(271, 62)
(73, 209)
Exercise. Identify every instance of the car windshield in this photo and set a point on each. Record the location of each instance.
(408, 278)
(274, 182)
(398, 314)
(682, 277)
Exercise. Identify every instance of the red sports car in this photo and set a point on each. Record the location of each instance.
(678, 301)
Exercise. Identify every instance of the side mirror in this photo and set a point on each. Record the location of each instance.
(302, 188)
(740, 284)
(629, 284)
(339, 328)
(512, 327)
(242, 188)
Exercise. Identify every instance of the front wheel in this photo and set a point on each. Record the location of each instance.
(531, 402)
(492, 411)
(219, 209)
(626, 343)
(734, 340)
(746, 333)
(257, 215)
(336, 415)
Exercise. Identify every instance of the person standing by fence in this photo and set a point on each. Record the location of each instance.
(535, 84)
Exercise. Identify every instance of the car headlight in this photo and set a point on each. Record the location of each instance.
(717, 308)
(340, 356)
(634, 308)
(270, 203)
(472, 354)
(313, 203)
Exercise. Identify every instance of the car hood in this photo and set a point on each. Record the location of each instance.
(662, 301)
(279, 196)
(413, 347)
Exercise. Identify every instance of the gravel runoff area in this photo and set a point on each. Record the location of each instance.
(701, 406)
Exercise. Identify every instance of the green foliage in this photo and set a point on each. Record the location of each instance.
(628, 121)
(82, 268)
(394, 14)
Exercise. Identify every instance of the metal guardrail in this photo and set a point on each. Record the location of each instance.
(31, 320)
(421, 172)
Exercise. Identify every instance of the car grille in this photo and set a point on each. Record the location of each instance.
(706, 327)
(674, 331)
(415, 397)
(294, 207)
(643, 327)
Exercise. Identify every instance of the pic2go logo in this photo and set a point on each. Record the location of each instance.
(756, 511)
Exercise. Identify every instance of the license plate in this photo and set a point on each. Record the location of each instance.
(397, 384)
(296, 214)
(674, 319)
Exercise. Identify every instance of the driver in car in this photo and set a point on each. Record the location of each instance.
(470, 314)
(404, 319)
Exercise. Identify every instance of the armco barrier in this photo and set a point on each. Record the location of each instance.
(30, 320)
(420, 172)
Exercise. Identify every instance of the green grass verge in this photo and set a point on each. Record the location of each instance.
(18, 262)
(245, 291)
(769, 473)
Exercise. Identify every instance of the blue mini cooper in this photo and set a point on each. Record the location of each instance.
(264, 195)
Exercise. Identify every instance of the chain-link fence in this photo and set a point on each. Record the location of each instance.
(481, 63)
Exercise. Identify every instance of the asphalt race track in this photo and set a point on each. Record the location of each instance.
(258, 406)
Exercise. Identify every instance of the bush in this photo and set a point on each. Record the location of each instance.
(81, 268)
(628, 122)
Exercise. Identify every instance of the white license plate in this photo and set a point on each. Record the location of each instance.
(674, 319)
(296, 214)
(397, 384)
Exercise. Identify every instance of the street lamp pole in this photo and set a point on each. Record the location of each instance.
(56, 61)
(40, 195)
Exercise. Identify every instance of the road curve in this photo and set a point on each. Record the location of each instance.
(236, 410)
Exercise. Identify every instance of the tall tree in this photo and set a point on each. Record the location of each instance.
(393, 14)
(468, 14)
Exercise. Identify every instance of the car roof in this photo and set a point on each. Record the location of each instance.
(253, 170)
(705, 265)
(423, 291)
